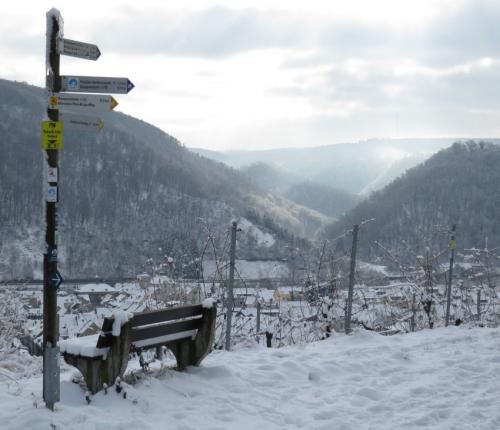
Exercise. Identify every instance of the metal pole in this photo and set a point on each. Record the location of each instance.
(351, 279)
(258, 316)
(230, 301)
(453, 245)
(478, 305)
(412, 320)
(51, 382)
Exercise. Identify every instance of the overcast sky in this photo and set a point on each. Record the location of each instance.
(265, 74)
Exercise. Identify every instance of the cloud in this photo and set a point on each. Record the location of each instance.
(462, 35)
(213, 32)
(299, 76)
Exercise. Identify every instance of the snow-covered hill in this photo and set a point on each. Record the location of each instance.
(129, 194)
(439, 379)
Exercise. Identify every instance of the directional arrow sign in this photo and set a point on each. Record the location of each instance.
(56, 279)
(82, 103)
(74, 48)
(94, 84)
(81, 122)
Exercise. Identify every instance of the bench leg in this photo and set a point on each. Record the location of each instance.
(97, 371)
(192, 352)
(90, 368)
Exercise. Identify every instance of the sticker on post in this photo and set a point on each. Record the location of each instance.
(52, 254)
(52, 132)
(51, 194)
(52, 175)
(55, 279)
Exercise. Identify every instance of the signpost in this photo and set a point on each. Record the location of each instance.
(82, 102)
(72, 48)
(51, 141)
(81, 122)
(95, 84)
(52, 133)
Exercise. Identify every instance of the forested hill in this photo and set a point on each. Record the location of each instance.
(128, 194)
(458, 185)
(322, 198)
(358, 168)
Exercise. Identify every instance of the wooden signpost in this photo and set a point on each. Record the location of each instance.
(52, 134)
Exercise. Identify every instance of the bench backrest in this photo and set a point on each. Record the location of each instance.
(158, 327)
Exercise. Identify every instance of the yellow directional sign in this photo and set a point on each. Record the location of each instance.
(82, 102)
(52, 132)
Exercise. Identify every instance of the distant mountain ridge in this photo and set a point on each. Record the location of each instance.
(128, 194)
(457, 186)
(357, 168)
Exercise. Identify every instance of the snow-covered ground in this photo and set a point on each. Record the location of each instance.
(246, 269)
(432, 379)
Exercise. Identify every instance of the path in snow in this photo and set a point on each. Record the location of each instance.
(440, 379)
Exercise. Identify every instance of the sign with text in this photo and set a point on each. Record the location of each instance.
(52, 132)
(81, 122)
(95, 84)
(82, 102)
(77, 49)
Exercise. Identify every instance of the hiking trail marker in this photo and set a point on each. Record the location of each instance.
(84, 103)
(74, 121)
(73, 48)
(95, 84)
(52, 135)
(72, 106)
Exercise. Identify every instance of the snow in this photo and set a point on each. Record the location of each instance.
(94, 288)
(208, 303)
(432, 379)
(84, 346)
(263, 238)
(51, 14)
(375, 267)
(247, 269)
(120, 318)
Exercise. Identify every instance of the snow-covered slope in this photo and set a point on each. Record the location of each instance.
(440, 379)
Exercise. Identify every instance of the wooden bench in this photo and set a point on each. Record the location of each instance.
(188, 331)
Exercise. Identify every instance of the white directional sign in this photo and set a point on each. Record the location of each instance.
(95, 84)
(73, 121)
(74, 48)
(82, 103)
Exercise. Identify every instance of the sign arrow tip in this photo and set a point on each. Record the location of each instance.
(113, 103)
(130, 86)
